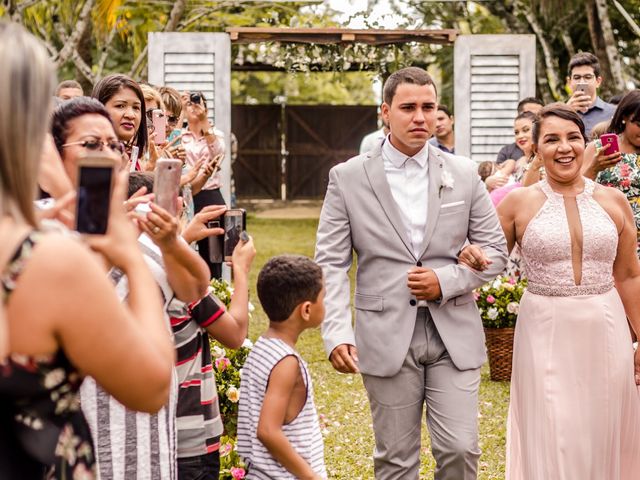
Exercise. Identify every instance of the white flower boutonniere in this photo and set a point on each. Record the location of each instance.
(446, 181)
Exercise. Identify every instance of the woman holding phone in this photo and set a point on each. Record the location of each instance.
(204, 143)
(618, 167)
(63, 316)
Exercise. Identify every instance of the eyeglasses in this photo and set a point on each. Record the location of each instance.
(588, 77)
(172, 119)
(93, 145)
(149, 114)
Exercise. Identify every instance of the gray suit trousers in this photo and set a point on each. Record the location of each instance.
(427, 377)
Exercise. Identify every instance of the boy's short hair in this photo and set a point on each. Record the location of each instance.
(137, 180)
(68, 84)
(528, 100)
(285, 282)
(171, 98)
(412, 75)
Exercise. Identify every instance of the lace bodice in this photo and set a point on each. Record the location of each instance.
(546, 246)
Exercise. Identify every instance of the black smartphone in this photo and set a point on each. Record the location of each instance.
(94, 188)
(235, 222)
(195, 98)
(216, 243)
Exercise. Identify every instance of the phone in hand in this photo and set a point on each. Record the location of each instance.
(94, 187)
(195, 98)
(159, 121)
(582, 88)
(166, 185)
(235, 222)
(216, 243)
(610, 143)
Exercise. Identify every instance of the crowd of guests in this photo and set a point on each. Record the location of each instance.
(105, 366)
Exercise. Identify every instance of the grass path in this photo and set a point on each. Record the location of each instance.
(341, 399)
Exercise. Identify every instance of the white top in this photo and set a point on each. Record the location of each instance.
(408, 178)
(303, 432)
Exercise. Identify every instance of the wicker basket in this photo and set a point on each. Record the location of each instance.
(500, 351)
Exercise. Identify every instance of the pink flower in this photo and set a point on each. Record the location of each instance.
(512, 280)
(476, 295)
(624, 170)
(225, 449)
(491, 299)
(626, 183)
(237, 473)
(222, 363)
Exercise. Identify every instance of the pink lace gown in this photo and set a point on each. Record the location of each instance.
(575, 408)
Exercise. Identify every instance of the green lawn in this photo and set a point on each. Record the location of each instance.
(341, 399)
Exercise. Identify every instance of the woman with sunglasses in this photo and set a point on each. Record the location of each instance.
(63, 316)
(204, 143)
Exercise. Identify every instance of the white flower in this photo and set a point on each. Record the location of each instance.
(251, 308)
(485, 288)
(513, 307)
(233, 394)
(54, 378)
(480, 311)
(218, 352)
(247, 343)
(447, 179)
(492, 313)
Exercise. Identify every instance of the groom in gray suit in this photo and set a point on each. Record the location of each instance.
(406, 209)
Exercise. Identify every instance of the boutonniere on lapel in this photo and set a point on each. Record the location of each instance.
(446, 181)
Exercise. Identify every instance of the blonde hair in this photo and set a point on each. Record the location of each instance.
(150, 94)
(28, 78)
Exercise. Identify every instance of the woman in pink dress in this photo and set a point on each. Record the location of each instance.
(575, 406)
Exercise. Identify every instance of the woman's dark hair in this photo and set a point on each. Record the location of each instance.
(559, 110)
(67, 111)
(628, 110)
(112, 84)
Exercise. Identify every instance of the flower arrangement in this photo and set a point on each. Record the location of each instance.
(228, 371)
(499, 301)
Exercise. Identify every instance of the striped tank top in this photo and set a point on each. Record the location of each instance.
(303, 432)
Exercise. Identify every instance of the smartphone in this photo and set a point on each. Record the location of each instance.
(235, 222)
(94, 187)
(216, 243)
(166, 185)
(135, 151)
(582, 88)
(159, 126)
(609, 143)
(195, 98)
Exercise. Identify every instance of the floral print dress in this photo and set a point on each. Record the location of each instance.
(625, 176)
(43, 433)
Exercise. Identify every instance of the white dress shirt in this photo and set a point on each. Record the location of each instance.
(409, 182)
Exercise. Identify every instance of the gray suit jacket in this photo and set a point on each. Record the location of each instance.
(360, 215)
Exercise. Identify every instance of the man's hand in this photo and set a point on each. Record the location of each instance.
(474, 257)
(496, 180)
(424, 283)
(580, 101)
(344, 358)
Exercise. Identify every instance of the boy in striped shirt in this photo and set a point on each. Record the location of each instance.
(278, 429)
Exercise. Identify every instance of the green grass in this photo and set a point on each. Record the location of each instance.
(341, 398)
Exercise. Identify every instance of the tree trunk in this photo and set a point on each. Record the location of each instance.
(84, 50)
(610, 46)
(599, 46)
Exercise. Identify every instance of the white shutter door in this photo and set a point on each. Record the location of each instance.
(492, 73)
(197, 62)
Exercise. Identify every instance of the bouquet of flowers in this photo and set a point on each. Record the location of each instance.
(499, 301)
(228, 371)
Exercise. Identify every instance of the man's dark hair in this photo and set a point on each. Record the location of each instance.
(68, 84)
(137, 180)
(285, 282)
(615, 100)
(584, 58)
(560, 110)
(112, 84)
(526, 100)
(528, 115)
(628, 110)
(443, 108)
(412, 75)
(69, 110)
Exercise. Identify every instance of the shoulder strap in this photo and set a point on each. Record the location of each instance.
(17, 262)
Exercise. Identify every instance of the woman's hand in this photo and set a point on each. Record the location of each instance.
(198, 229)
(474, 257)
(61, 211)
(160, 226)
(243, 253)
(602, 161)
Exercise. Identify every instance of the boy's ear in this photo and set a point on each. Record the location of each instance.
(305, 310)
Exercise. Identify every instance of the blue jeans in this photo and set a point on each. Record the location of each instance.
(204, 467)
